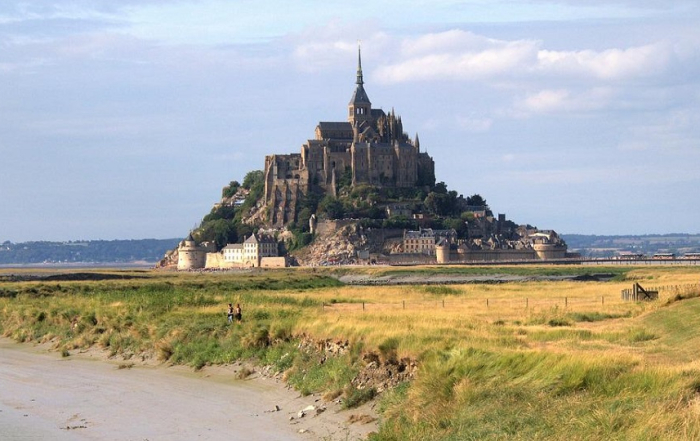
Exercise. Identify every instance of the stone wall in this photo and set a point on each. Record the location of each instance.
(273, 262)
(325, 227)
(492, 255)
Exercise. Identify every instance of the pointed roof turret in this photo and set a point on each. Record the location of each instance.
(359, 66)
(359, 96)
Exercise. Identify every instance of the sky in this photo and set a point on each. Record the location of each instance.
(124, 120)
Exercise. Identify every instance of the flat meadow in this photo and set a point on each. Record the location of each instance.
(532, 359)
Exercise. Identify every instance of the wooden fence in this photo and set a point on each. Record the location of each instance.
(566, 302)
(638, 294)
(523, 303)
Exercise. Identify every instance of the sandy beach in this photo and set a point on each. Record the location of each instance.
(44, 396)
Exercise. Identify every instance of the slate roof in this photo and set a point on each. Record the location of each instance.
(360, 96)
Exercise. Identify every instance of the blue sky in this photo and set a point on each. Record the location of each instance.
(123, 120)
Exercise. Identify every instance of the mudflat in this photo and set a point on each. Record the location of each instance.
(85, 397)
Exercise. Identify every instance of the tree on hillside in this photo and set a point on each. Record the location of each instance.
(230, 189)
(476, 200)
(252, 178)
(331, 207)
(440, 188)
(442, 204)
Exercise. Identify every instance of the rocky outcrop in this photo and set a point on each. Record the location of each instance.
(380, 372)
(336, 244)
(169, 260)
(384, 374)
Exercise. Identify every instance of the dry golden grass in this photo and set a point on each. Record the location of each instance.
(511, 315)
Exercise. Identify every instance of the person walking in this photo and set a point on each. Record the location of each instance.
(229, 313)
(238, 313)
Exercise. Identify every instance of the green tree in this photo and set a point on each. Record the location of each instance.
(253, 178)
(219, 231)
(456, 224)
(345, 179)
(331, 207)
(442, 204)
(440, 188)
(476, 200)
(303, 219)
(230, 189)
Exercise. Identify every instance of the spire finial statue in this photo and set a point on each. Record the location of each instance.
(359, 64)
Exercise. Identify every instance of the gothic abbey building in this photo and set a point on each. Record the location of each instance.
(370, 148)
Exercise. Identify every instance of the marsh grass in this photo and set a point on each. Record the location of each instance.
(529, 360)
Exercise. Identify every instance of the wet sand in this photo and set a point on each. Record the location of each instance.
(44, 396)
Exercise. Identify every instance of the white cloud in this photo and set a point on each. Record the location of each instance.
(557, 100)
(611, 64)
(456, 55)
(465, 56)
(327, 47)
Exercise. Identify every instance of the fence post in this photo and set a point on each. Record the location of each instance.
(602, 300)
(566, 302)
(527, 303)
(363, 306)
(487, 303)
(404, 304)
(443, 303)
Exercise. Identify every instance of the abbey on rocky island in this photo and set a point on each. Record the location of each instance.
(370, 148)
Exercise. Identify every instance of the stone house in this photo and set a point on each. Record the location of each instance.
(251, 252)
(424, 240)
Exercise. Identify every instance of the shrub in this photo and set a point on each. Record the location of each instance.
(257, 337)
(641, 335)
(559, 321)
(356, 397)
(594, 316)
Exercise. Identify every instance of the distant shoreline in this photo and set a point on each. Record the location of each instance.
(81, 265)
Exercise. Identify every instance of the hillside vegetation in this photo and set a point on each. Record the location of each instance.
(528, 360)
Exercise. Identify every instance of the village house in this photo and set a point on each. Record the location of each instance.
(251, 252)
(424, 240)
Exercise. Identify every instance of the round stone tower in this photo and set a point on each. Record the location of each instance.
(190, 255)
(548, 251)
(442, 251)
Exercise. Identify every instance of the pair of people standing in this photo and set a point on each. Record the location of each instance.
(234, 313)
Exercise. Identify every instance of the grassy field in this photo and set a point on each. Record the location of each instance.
(528, 360)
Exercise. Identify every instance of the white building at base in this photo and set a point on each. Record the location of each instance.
(251, 252)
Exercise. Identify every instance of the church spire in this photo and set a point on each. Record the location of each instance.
(359, 65)
(360, 108)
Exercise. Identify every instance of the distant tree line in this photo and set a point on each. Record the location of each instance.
(90, 251)
(590, 245)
